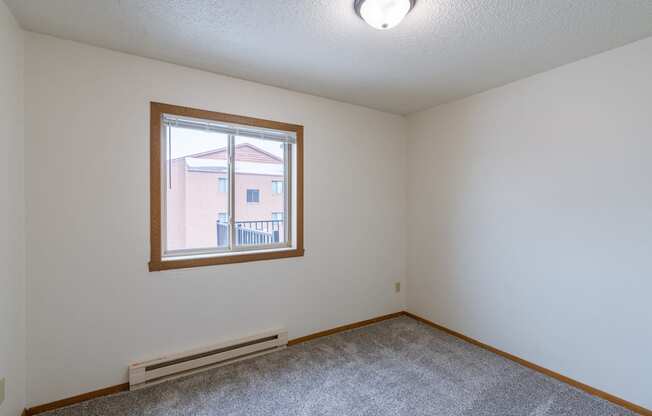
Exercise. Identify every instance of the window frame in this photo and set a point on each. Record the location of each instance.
(157, 170)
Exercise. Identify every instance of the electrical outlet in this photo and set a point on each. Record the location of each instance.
(397, 287)
(2, 390)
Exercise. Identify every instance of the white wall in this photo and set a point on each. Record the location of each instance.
(94, 308)
(12, 216)
(529, 206)
(530, 219)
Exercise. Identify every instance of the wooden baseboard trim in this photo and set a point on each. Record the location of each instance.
(124, 387)
(588, 389)
(343, 328)
(606, 396)
(77, 399)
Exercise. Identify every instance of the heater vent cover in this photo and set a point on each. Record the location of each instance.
(201, 359)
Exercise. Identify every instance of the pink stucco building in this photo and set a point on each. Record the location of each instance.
(197, 196)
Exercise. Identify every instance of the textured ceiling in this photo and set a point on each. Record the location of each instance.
(444, 50)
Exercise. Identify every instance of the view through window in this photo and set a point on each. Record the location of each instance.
(203, 212)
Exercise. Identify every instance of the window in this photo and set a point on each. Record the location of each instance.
(253, 196)
(191, 150)
(223, 184)
(277, 187)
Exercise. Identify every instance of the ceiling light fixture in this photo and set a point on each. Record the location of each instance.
(383, 14)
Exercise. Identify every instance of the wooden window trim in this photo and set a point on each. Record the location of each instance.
(156, 262)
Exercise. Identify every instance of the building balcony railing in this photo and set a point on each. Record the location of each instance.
(258, 232)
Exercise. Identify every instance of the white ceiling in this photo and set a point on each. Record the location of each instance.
(444, 50)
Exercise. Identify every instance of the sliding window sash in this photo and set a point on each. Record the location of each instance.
(231, 168)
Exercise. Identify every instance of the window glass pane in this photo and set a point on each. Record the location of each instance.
(259, 164)
(223, 183)
(277, 187)
(196, 162)
(253, 195)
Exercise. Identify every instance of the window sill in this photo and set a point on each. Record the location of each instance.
(230, 258)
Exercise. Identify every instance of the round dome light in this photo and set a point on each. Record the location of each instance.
(383, 14)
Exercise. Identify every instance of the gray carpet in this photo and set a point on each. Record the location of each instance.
(396, 367)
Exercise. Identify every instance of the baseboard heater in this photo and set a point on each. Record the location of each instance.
(181, 364)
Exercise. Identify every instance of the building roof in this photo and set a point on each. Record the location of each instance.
(250, 159)
(194, 164)
(264, 156)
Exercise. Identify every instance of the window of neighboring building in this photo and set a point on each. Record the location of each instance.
(193, 149)
(253, 196)
(223, 184)
(277, 187)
